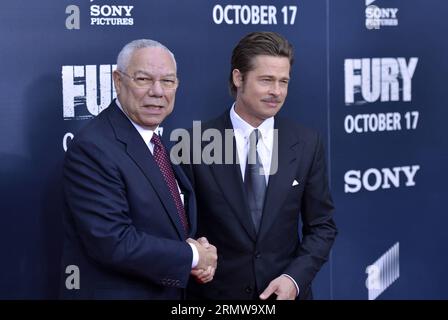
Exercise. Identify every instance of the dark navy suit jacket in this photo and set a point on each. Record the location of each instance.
(122, 229)
(248, 261)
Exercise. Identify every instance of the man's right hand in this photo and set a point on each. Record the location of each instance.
(208, 257)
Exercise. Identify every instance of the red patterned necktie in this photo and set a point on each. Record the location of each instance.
(162, 160)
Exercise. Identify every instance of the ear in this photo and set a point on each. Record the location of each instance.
(237, 78)
(117, 81)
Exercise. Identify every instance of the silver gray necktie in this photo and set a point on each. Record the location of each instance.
(254, 181)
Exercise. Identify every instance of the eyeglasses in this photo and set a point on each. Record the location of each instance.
(145, 82)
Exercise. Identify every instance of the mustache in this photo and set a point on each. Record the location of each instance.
(271, 100)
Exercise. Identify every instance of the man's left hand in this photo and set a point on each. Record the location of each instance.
(283, 287)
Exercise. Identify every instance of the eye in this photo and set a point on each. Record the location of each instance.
(168, 81)
(143, 79)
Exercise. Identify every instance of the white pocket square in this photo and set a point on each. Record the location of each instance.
(295, 183)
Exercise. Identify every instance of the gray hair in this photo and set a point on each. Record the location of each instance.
(126, 53)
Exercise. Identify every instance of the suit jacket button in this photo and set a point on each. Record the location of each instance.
(257, 255)
(248, 289)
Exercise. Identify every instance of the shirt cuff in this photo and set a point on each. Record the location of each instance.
(195, 260)
(294, 281)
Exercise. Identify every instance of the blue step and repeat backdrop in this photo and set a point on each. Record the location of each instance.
(370, 75)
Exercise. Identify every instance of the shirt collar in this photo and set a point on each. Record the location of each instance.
(244, 129)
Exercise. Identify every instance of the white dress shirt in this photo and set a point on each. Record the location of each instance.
(265, 143)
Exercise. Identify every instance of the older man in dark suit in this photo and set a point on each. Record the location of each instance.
(130, 212)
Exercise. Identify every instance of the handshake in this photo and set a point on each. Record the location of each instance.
(208, 258)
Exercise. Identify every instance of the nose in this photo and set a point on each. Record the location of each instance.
(275, 89)
(156, 90)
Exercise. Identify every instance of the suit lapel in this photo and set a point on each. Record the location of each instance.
(189, 198)
(139, 153)
(289, 153)
(228, 177)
